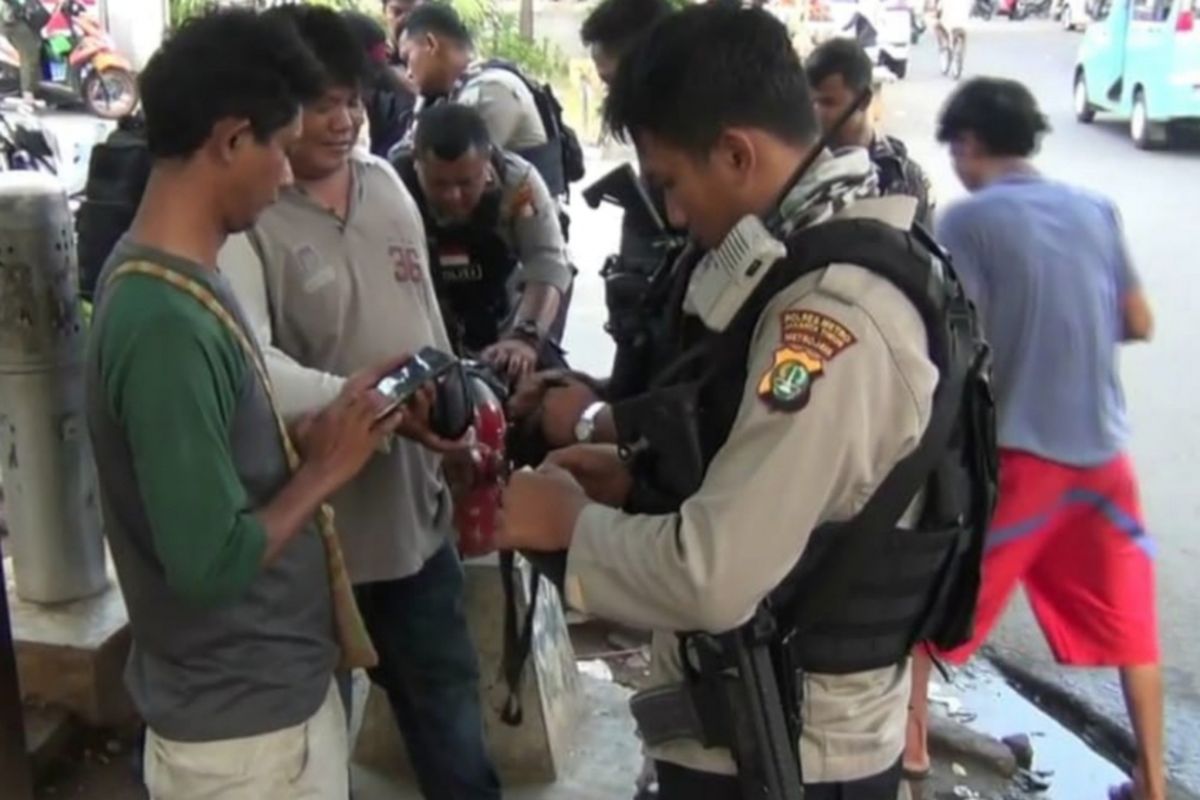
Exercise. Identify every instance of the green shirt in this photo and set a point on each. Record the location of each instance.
(187, 450)
(172, 376)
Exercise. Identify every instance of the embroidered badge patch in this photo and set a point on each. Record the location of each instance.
(522, 202)
(808, 341)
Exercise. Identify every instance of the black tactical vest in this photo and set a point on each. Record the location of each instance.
(472, 265)
(865, 590)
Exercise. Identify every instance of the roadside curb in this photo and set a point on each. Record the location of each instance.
(1104, 734)
(954, 741)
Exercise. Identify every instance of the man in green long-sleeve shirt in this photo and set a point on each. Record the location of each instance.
(225, 575)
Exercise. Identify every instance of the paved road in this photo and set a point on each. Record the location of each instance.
(1157, 195)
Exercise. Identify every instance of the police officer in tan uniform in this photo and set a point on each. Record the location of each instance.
(837, 388)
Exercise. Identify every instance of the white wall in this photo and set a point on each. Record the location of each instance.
(137, 26)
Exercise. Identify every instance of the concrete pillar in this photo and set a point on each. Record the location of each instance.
(49, 479)
(137, 26)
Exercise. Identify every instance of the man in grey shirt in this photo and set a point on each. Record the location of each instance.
(335, 276)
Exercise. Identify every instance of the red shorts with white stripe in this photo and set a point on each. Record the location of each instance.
(1075, 538)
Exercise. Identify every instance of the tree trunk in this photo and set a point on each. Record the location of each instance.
(526, 20)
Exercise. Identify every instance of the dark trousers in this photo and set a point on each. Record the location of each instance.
(429, 670)
(680, 783)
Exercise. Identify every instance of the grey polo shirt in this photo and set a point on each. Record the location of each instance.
(329, 297)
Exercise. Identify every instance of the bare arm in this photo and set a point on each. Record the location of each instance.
(1138, 318)
(540, 303)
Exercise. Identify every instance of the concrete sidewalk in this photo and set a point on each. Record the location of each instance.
(606, 759)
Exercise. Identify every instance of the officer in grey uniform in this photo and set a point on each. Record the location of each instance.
(828, 386)
(438, 49)
(495, 247)
(522, 117)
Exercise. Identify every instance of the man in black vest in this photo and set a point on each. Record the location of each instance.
(802, 386)
(495, 247)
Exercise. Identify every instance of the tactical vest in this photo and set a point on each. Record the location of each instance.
(472, 265)
(865, 590)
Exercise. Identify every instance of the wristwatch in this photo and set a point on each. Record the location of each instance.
(585, 428)
(527, 331)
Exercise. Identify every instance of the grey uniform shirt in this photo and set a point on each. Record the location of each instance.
(507, 106)
(328, 298)
(779, 476)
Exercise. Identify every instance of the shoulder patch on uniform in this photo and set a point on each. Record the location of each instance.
(808, 340)
(521, 205)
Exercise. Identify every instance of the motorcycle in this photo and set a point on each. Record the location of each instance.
(79, 64)
(1022, 9)
(984, 9)
(25, 144)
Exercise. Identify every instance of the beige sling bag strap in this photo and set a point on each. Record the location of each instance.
(357, 650)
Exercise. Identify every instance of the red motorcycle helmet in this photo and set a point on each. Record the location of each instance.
(475, 405)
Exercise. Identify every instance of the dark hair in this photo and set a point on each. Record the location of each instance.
(1002, 114)
(707, 68)
(844, 57)
(331, 39)
(439, 19)
(221, 65)
(366, 29)
(615, 24)
(448, 130)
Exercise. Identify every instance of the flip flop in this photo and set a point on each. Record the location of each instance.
(917, 775)
(1121, 792)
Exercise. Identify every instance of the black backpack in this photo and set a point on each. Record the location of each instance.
(117, 175)
(557, 131)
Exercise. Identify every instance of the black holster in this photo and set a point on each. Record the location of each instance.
(742, 693)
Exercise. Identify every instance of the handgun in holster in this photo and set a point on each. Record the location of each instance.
(741, 693)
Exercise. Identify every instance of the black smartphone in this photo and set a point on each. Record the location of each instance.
(403, 382)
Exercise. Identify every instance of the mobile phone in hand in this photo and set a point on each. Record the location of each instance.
(399, 385)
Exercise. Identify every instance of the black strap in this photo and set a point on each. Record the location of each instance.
(517, 642)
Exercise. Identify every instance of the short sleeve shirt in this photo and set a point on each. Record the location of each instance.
(1047, 265)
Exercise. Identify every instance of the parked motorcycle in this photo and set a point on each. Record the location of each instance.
(79, 64)
(984, 9)
(25, 144)
(1023, 9)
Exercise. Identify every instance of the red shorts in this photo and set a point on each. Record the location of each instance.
(1075, 537)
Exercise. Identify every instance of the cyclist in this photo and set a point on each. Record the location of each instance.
(952, 16)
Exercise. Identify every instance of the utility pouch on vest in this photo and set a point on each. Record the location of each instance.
(658, 431)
